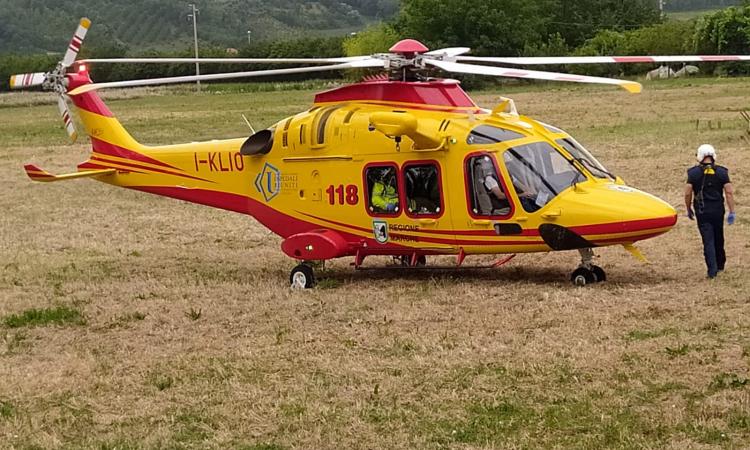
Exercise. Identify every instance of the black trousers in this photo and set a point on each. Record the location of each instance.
(711, 227)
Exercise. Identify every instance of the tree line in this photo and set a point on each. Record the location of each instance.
(489, 27)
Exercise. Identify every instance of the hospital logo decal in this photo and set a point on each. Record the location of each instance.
(380, 231)
(268, 182)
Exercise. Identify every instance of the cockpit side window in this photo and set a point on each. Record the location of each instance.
(488, 134)
(487, 194)
(539, 173)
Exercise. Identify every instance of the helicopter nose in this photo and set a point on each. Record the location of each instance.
(606, 215)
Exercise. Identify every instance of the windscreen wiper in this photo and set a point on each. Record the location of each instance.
(592, 166)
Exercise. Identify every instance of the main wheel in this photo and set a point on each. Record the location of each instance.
(582, 276)
(599, 273)
(302, 277)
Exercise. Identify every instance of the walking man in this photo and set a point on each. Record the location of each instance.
(707, 187)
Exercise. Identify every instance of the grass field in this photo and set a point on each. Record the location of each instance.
(134, 321)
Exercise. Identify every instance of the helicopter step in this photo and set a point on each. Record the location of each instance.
(587, 272)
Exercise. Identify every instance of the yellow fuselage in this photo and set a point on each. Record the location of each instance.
(315, 178)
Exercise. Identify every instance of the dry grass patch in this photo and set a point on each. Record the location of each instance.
(192, 338)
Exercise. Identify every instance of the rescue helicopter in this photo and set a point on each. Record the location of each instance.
(401, 164)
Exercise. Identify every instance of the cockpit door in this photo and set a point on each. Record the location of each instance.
(490, 205)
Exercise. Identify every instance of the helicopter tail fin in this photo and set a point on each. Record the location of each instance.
(107, 134)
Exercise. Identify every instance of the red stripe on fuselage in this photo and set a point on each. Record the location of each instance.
(138, 166)
(115, 150)
(282, 224)
(431, 239)
(625, 227)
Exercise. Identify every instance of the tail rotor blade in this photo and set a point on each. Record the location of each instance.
(67, 118)
(25, 80)
(75, 44)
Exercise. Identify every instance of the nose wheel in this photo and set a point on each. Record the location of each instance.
(587, 273)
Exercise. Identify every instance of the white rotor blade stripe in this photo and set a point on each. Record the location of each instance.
(66, 117)
(24, 80)
(630, 86)
(225, 60)
(604, 59)
(449, 52)
(222, 76)
(75, 44)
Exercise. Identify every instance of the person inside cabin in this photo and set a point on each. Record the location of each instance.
(384, 197)
(422, 189)
(491, 199)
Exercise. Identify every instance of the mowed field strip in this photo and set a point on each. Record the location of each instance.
(134, 321)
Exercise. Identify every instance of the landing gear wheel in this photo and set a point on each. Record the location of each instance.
(599, 274)
(302, 277)
(582, 276)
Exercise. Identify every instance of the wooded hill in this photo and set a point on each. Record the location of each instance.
(43, 26)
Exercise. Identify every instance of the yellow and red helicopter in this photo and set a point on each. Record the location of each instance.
(401, 164)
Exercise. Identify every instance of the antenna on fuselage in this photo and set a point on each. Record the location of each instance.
(252, 130)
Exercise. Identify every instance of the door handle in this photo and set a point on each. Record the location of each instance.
(552, 214)
(480, 222)
(427, 221)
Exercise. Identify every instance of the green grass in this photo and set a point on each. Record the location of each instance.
(60, 315)
(7, 410)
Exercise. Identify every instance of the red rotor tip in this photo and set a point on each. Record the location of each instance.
(408, 46)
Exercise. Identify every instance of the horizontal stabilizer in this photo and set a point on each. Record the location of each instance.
(37, 174)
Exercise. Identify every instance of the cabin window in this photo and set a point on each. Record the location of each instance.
(488, 134)
(487, 194)
(422, 188)
(539, 173)
(583, 156)
(382, 190)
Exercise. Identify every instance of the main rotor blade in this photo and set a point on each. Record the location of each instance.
(221, 76)
(225, 60)
(75, 44)
(630, 86)
(603, 59)
(70, 128)
(25, 80)
(449, 52)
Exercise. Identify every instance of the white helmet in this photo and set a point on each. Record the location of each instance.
(705, 150)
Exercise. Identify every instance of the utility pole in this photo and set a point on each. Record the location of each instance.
(194, 16)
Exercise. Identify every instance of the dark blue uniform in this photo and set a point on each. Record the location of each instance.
(708, 203)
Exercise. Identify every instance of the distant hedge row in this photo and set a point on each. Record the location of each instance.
(726, 32)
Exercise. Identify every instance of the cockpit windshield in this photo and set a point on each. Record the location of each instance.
(488, 134)
(539, 173)
(583, 156)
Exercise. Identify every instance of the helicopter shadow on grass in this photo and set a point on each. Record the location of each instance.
(339, 277)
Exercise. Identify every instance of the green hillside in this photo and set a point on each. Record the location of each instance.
(43, 26)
